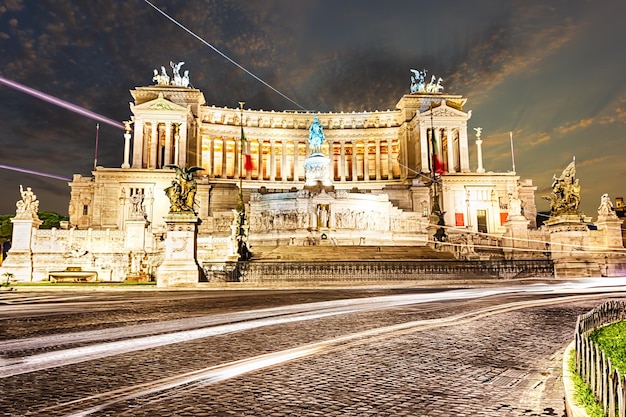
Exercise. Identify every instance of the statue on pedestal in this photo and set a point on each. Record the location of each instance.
(606, 207)
(28, 206)
(316, 165)
(182, 192)
(316, 136)
(565, 196)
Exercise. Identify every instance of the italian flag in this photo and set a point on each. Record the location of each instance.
(248, 165)
(437, 162)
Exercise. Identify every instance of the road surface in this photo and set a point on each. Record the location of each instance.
(379, 352)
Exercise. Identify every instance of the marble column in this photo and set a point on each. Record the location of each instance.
(425, 157)
(272, 161)
(177, 147)
(355, 176)
(390, 158)
(154, 140)
(138, 145)
(223, 174)
(366, 173)
(342, 160)
(126, 163)
(237, 158)
(211, 157)
(261, 175)
(450, 143)
(167, 155)
(295, 159)
(378, 159)
(182, 145)
(464, 149)
(333, 162)
(479, 153)
(284, 175)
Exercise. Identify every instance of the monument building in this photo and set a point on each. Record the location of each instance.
(203, 184)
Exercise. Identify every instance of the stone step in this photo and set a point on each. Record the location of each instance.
(320, 253)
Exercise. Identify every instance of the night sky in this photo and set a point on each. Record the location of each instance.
(552, 72)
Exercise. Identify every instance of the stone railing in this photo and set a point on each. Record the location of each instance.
(61, 241)
(595, 368)
(370, 272)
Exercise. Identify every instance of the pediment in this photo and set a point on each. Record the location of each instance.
(160, 103)
(444, 110)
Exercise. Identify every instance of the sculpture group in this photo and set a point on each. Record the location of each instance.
(182, 192)
(419, 85)
(163, 78)
(28, 206)
(565, 196)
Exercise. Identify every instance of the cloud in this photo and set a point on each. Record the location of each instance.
(618, 114)
(573, 126)
(592, 162)
(515, 47)
(537, 139)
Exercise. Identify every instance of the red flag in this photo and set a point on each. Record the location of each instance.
(437, 162)
(248, 165)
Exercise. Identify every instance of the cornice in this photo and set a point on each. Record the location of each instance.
(298, 120)
(278, 133)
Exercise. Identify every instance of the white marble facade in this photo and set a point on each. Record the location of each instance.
(380, 168)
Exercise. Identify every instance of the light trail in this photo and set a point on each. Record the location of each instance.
(18, 366)
(59, 102)
(26, 364)
(211, 375)
(223, 55)
(38, 173)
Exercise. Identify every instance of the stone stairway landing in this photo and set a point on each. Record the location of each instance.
(346, 253)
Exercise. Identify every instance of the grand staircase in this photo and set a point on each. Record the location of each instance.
(346, 253)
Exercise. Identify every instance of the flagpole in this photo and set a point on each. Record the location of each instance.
(242, 240)
(512, 150)
(95, 156)
(440, 233)
(241, 104)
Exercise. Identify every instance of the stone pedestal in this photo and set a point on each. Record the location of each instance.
(135, 235)
(569, 243)
(180, 266)
(515, 239)
(611, 229)
(19, 261)
(316, 170)
(135, 244)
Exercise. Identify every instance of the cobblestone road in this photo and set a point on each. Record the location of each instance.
(505, 364)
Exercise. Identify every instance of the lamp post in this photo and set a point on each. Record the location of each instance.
(436, 216)
(242, 225)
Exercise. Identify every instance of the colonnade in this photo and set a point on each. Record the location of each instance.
(452, 140)
(283, 160)
(158, 143)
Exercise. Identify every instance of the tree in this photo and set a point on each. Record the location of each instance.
(6, 227)
(49, 220)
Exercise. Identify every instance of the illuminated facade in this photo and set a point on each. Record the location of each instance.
(400, 179)
(382, 152)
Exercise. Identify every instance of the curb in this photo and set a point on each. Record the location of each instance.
(571, 408)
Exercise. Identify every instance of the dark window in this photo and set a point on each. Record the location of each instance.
(481, 220)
